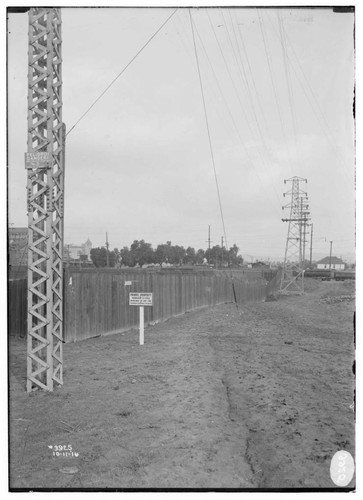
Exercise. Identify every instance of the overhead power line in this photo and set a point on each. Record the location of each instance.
(122, 71)
(274, 86)
(226, 103)
(244, 81)
(312, 99)
(208, 130)
(249, 92)
(288, 81)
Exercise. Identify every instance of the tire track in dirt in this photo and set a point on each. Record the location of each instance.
(202, 406)
(293, 383)
(225, 338)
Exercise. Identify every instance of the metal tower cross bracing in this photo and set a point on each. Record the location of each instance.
(292, 278)
(44, 161)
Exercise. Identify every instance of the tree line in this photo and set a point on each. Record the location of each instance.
(142, 253)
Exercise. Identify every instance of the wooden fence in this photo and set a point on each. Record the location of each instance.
(96, 302)
(17, 307)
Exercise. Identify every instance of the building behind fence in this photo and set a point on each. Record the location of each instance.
(96, 301)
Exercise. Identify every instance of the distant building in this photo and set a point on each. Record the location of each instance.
(332, 263)
(17, 252)
(18, 246)
(78, 252)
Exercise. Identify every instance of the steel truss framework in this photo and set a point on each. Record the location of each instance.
(292, 277)
(45, 186)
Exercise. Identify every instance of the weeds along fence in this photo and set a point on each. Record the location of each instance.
(96, 302)
(274, 281)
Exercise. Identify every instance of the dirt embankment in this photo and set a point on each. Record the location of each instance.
(259, 396)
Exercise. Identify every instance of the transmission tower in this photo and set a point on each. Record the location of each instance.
(44, 162)
(292, 278)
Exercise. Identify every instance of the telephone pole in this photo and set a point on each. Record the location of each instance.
(107, 253)
(208, 244)
(311, 245)
(222, 251)
(331, 247)
(304, 214)
(292, 278)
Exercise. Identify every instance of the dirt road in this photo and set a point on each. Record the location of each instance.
(259, 396)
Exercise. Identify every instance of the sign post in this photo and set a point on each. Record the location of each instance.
(141, 329)
(141, 300)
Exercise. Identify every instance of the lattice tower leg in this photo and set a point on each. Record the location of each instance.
(45, 201)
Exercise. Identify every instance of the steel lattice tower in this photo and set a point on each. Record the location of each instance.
(44, 161)
(292, 278)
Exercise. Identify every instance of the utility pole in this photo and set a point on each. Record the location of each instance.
(311, 245)
(44, 162)
(208, 243)
(222, 251)
(107, 253)
(300, 229)
(304, 216)
(304, 242)
(331, 246)
(292, 278)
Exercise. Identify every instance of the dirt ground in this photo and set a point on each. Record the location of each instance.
(255, 397)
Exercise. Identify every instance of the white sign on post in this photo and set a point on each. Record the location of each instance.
(141, 300)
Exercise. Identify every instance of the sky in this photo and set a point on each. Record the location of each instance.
(278, 88)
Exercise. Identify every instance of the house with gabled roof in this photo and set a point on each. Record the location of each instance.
(331, 263)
